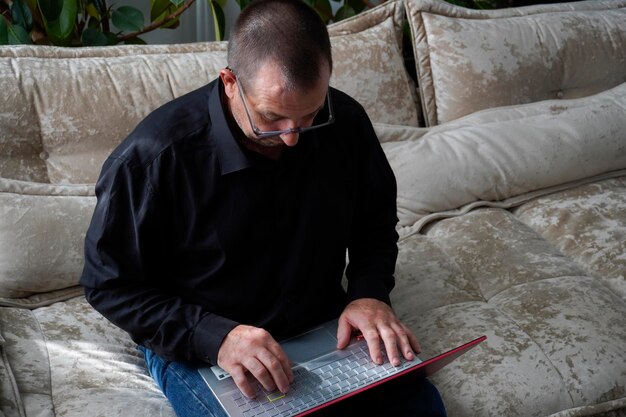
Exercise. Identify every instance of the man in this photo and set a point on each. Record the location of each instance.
(223, 221)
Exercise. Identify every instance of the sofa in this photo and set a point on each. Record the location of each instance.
(509, 149)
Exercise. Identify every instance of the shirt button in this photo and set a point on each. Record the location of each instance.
(559, 94)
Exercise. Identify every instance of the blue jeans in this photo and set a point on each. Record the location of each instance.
(406, 396)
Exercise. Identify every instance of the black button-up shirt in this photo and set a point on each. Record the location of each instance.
(193, 234)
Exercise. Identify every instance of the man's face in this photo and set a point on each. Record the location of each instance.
(272, 106)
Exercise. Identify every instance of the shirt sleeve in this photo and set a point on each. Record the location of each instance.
(372, 248)
(123, 277)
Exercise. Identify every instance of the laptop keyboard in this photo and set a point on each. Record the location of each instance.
(313, 386)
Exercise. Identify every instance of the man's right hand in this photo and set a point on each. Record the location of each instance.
(251, 349)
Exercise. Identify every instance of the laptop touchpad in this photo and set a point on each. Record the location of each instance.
(309, 345)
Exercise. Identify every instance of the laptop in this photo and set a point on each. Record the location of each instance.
(323, 375)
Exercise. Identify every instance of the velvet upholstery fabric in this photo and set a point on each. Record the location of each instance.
(468, 60)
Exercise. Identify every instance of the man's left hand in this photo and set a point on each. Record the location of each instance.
(377, 321)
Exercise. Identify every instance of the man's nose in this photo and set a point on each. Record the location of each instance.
(290, 139)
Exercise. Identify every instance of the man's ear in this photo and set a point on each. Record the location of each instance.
(229, 81)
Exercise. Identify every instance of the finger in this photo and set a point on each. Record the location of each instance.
(414, 343)
(412, 340)
(406, 348)
(404, 341)
(390, 340)
(260, 373)
(344, 331)
(285, 363)
(373, 343)
(239, 376)
(276, 372)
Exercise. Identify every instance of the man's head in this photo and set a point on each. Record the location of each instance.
(280, 63)
(287, 32)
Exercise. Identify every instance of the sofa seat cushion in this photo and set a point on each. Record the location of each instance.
(469, 60)
(68, 360)
(555, 334)
(587, 224)
(10, 401)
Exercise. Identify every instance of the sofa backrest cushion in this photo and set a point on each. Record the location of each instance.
(469, 60)
(42, 230)
(72, 107)
(66, 109)
(369, 64)
(505, 156)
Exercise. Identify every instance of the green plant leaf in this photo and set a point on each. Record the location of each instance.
(93, 23)
(50, 9)
(164, 8)
(158, 8)
(243, 3)
(18, 35)
(21, 15)
(172, 24)
(177, 3)
(323, 8)
(219, 21)
(344, 12)
(111, 38)
(93, 37)
(357, 5)
(4, 32)
(100, 5)
(59, 22)
(92, 11)
(128, 19)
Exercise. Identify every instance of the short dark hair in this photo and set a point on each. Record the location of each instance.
(287, 31)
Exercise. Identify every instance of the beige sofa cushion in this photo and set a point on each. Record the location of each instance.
(368, 64)
(69, 361)
(587, 224)
(555, 335)
(468, 60)
(73, 107)
(42, 229)
(10, 401)
(512, 153)
(22, 154)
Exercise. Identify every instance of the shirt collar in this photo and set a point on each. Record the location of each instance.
(229, 153)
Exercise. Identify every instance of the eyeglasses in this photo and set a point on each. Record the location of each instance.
(267, 133)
